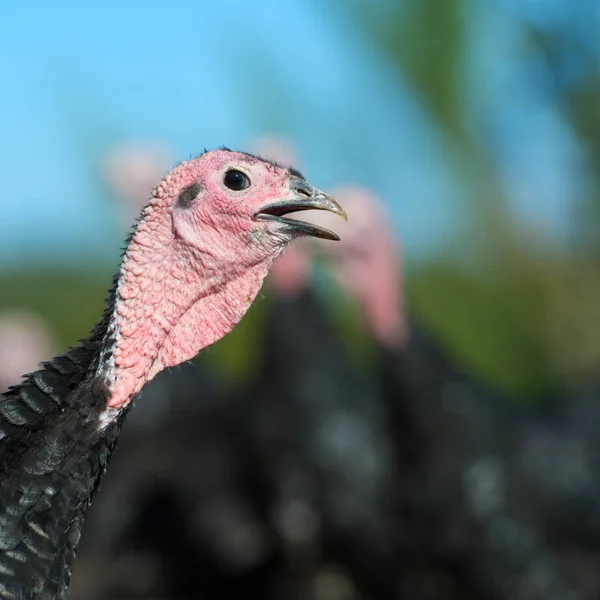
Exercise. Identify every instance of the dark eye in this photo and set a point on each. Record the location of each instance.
(236, 180)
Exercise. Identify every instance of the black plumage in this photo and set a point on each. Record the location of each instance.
(476, 521)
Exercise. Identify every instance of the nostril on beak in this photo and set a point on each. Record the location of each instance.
(302, 188)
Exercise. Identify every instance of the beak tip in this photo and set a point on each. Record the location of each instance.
(337, 208)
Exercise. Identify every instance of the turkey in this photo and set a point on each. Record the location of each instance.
(192, 266)
(188, 457)
(471, 496)
(299, 501)
(180, 461)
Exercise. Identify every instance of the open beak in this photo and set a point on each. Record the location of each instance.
(306, 197)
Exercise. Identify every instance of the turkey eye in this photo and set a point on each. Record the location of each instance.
(236, 180)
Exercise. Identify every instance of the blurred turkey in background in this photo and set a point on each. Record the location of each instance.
(409, 413)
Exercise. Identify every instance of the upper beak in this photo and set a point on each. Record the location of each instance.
(306, 197)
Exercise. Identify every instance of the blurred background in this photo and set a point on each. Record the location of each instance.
(477, 124)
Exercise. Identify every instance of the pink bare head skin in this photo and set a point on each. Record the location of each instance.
(25, 341)
(197, 260)
(290, 274)
(367, 265)
(131, 170)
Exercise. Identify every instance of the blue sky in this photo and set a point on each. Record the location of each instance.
(79, 77)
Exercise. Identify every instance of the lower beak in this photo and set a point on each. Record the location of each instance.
(305, 197)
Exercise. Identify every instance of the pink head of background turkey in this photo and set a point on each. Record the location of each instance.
(367, 264)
